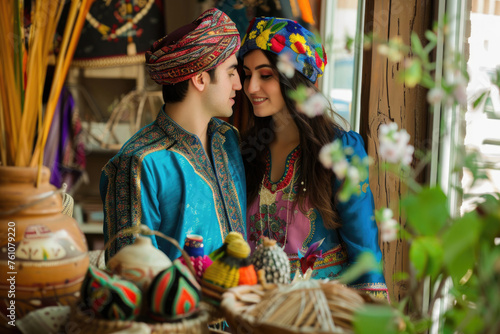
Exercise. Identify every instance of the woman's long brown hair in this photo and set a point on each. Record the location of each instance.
(314, 134)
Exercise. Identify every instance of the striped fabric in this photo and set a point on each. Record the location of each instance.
(193, 48)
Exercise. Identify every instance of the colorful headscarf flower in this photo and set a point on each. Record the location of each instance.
(283, 36)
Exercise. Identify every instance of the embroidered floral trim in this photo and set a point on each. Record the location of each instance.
(377, 290)
(286, 178)
(312, 216)
(334, 257)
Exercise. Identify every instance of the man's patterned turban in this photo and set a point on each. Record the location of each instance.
(194, 48)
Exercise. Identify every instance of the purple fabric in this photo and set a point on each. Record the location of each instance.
(63, 152)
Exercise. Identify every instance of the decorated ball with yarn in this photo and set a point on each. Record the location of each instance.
(221, 251)
(231, 236)
(174, 293)
(273, 260)
(238, 248)
(110, 298)
(224, 272)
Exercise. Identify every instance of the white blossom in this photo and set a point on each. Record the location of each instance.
(388, 129)
(353, 174)
(394, 145)
(392, 53)
(285, 65)
(340, 168)
(325, 155)
(460, 94)
(314, 105)
(332, 157)
(388, 230)
(387, 214)
(435, 95)
(388, 226)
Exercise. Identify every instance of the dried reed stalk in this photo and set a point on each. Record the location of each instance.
(46, 15)
(70, 41)
(3, 139)
(21, 108)
(67, 35)
(11, 83)
(303, 315)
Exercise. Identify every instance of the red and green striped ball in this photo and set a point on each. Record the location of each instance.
(110, 298)
(174, 293)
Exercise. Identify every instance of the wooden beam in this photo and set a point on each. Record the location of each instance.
(385, 99)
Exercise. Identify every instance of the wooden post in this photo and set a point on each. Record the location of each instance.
(385, 99)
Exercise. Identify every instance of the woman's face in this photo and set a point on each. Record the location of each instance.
(262, 85)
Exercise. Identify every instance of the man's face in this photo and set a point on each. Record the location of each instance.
(220, 92)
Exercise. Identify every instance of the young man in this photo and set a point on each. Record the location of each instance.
(183, 174)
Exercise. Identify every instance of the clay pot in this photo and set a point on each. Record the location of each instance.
(43, 253)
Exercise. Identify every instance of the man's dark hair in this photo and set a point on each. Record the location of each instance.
(177, 92)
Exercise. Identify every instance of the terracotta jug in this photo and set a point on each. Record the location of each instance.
(43, 253)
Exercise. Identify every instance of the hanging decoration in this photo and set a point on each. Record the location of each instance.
(118, 32)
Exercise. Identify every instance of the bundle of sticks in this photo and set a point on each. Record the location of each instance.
(308, 306)
(24, 122)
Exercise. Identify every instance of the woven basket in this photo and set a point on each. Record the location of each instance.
(214, 312)
(307, 307)
(195, 323)
(68, 204)
(198, 323)
(212, 296)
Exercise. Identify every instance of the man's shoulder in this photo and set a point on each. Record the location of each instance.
(226, 129)
(147, 140)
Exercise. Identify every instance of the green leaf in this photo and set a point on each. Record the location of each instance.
(269, 24)
(427, 212)
(490, 204)
(418, 258)
(490, 261)
(496, 77)
(299, 95)
(427, 81)
(365, 262)
(422, 325)
(349, 43)
(460, 241)
(467, 319)
(278, 26)
(472, 162)
(426, 255)
(413, 74)
(480, 99)
(416, 45)
(431, 37)
(374, 319)
(348, 189)
(400, 276)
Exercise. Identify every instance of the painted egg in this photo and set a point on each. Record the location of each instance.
(173, 293)
(110, 298)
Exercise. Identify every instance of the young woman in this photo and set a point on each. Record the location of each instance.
(291, 196)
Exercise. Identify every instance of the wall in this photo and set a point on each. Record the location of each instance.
(179, 13)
